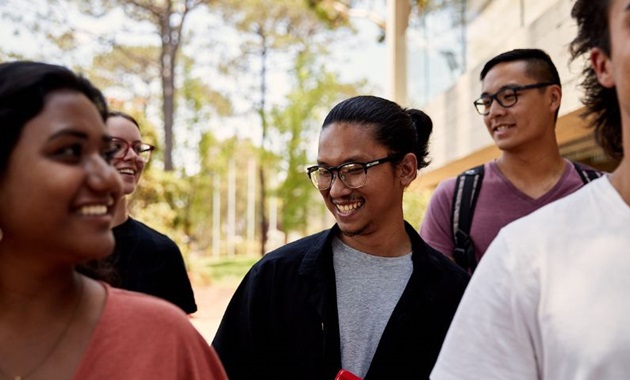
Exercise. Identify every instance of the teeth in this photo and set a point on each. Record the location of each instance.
(501, 128)
(349, 207)
(127, 171)
(93, 210)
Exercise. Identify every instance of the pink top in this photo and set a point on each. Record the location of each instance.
(143, 337)
(499, 203)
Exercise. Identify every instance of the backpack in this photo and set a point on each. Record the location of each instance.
(467, 187)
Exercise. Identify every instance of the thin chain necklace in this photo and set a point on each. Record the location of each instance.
(57, 342)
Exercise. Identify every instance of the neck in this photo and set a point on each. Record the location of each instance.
(534, 176)
(37, 325)
(122, 213)
(532, 166)
(392, 242)
(36, 289)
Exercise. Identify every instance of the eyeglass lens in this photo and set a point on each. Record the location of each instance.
(352, 175)
(140, 149)
(506, 98)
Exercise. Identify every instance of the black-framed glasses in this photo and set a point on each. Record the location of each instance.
(506, 97)
(121, 147)
(352, 174)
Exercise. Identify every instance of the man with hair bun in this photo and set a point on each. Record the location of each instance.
(368, 296)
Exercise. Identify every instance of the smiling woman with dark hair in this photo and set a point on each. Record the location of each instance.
(58, 193)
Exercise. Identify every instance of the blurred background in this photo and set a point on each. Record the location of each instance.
(233, 94)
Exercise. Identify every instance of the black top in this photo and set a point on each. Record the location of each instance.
(148, 261)
(282, 320)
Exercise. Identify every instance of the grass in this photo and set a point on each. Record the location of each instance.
(224, 270)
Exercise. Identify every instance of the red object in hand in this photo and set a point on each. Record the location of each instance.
(346, 375)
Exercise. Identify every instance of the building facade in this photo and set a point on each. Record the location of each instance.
(460, 139)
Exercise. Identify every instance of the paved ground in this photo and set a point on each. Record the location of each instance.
(211, 303)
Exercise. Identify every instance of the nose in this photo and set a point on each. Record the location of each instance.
(103, 177)
(131, 154)
(495, 108)
(337, 187)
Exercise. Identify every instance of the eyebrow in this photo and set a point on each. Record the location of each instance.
(504, 87)
(77, 134)
(68, 132)
(127, 141)
(352, 160)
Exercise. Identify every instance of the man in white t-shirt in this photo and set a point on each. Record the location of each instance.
(550, 298)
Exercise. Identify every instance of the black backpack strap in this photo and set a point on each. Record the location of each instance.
(467, 187)
(586, 174)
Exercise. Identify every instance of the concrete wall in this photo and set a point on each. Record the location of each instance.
(500, 25)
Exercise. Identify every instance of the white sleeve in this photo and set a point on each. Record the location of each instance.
(495, 330)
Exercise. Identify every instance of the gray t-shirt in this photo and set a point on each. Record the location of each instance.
(368, 289)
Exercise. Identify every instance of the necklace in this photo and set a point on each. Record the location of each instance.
(57, 341)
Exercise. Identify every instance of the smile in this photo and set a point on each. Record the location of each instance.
(127, 171)
(501, 128)
(346, 208)
(93, 210)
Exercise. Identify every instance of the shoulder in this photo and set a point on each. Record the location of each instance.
(131, 316)
(301, 256)
(446, 186)
(127, 323)
(426, 257)
(152, 236)
(569, 215)
(447, 266)
(296, 250)
(151, 309)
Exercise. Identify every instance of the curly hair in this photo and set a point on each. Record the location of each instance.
(602, 105)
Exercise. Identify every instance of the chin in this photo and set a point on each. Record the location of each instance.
(128, 188)
(94, 249)
(352, 232)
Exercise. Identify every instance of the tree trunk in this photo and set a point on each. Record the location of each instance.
(263, 121)
(171, 39)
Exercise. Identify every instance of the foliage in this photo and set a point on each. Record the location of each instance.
(159, 201)
(297, 122)
(220, 271)
(268, 28)
(415, 205)
(212, 182)
(142, 68)
(167, 19)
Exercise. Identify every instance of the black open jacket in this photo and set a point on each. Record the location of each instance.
(282, 320)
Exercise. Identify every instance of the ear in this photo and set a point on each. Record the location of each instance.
(603, 67)
(555, 97)
(408, 169)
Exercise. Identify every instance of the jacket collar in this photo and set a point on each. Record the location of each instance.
(321, 249)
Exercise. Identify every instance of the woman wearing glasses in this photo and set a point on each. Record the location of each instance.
(368, 295)
(146, 260)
